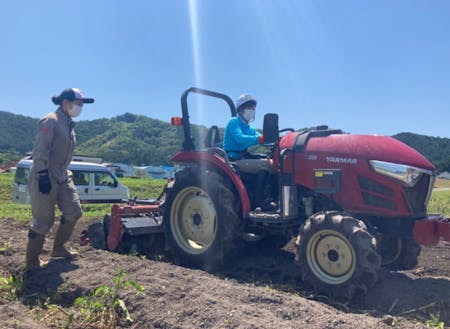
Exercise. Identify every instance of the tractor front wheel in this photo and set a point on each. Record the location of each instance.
(336, 255)
(200, 221)
(398, 253)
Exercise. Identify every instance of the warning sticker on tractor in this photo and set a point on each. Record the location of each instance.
(321, 173)
(327, 181)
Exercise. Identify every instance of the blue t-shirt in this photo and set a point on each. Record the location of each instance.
(239, 135)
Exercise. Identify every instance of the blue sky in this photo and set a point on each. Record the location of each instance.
(375, 67)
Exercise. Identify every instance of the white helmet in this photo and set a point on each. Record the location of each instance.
(245, 99)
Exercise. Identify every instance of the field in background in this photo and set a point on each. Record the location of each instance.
(150, 188)
(440, 203)
(142, 187)
(442, 183)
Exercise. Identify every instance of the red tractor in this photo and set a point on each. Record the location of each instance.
(353, 202)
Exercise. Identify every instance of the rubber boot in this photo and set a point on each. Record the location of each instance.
(34, 249)
(63, 234)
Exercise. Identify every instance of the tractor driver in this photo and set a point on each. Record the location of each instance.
(50, 183)
(239, 135)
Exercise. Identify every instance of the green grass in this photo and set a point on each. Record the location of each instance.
(440, 203)
(142, 187)
(6, 180)
(149, 188)
(16, 211)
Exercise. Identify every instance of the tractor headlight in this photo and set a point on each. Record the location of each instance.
(408, 175)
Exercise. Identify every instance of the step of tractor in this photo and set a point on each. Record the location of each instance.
(142, 225)
(264, 217)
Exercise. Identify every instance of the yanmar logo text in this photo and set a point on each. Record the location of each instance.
(342, 160)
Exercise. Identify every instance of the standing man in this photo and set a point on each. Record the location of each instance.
(50, 183)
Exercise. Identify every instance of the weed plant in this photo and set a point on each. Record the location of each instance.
(104, 309)
(11, 286)
(434, 322)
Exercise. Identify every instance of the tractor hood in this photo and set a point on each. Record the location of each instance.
(369, 147)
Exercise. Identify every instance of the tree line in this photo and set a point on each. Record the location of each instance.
(138, 140)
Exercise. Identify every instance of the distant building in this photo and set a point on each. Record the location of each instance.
(121, 169)
(158, 172)
(444, 175)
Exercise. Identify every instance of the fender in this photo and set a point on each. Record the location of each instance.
(215, 161)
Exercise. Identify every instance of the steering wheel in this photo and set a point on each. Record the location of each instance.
(286, 129)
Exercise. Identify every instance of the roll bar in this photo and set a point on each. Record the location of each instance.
(188, 144)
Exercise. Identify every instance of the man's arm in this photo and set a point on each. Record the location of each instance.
(43, 142)
(241, 139)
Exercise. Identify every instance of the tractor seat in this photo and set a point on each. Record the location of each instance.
(213, 138)
(213, 144)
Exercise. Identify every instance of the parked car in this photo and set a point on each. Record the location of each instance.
(95, 183)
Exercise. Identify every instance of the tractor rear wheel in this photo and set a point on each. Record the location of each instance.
(336, 254)
(397, 253)
(201, 224)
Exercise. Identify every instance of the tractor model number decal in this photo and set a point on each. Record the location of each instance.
(342, 160)
(312, 157)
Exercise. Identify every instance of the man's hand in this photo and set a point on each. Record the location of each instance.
(261, 139)
(44, 182)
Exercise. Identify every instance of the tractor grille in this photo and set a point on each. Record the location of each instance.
(369, 185)
(383, 196)
(378, 202)
(419, 194)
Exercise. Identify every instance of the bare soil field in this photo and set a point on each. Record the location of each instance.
(260, 289)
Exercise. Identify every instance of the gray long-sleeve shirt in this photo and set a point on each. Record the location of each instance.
(55, 142)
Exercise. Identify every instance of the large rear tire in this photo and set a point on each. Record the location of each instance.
(336, 255)
(201, 224)
(397, 253)
(97, 236)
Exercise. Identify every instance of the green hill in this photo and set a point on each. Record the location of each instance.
(128, 138)
(435, 149)
(137, 139)
(17, 132)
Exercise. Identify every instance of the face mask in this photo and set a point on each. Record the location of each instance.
(248, 115)
(74, 111)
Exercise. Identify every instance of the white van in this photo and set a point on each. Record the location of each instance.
(94, 183)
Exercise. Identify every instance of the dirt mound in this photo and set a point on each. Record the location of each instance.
(261, 289)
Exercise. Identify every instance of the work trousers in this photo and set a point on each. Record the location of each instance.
(64, 195)
(253, 166)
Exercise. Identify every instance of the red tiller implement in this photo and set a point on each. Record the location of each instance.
(428, 231)
(134, 220)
